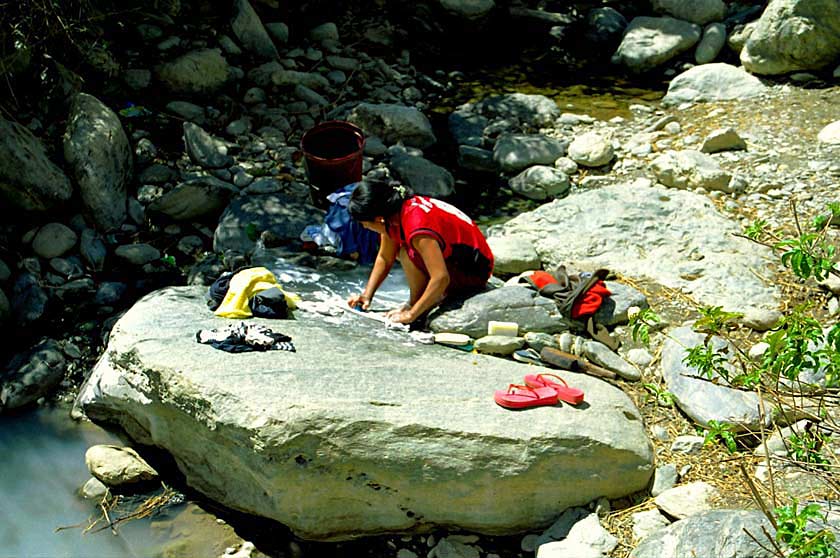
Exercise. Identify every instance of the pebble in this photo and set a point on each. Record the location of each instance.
(687, 444)
(640, 357)
(757, 351)
(664, 479)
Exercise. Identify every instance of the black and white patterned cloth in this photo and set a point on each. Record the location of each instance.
(243, 338)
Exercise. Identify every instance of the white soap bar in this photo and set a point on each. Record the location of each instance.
(455, 339)
(508, 329)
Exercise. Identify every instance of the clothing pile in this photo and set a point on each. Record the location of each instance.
(247, 292)
(243, 338)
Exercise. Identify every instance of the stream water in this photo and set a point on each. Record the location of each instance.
(43, 450)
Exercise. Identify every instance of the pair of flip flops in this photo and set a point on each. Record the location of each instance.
(538, 390)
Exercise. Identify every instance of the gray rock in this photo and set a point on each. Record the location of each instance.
(29, 300)
(423, 176)
(195, 199)
(29, 180)
(98, 153)
(513, 254)
(830, 134)
(586, 538)
(470, 10)
(190, 245)
(394, 123)
(229, 46)
(5, 308)
(92, 249)
(200, 72)
(713, 82)
(109, 293)
(137, 78)
(137, 254)
(562, 526)
(204, 149)
(452, 547)
(248, 28)
(188, 111)
(614, 309)
(761, 319)
(66, 267)
(5, 272)
(254, 95)
(700, 12)
(476, 159)
(467, 128)
(136, 211)
(374, 146)
(93, 489)
(794, 35)
(538, 341)
(498, 344)
(31, 375)
(291, 78)
(647, 522)
(157, 174)
(674, 237)
(532, 110)
(515, 152)
(591, 149)
(54, 240)
(278, 31)
(701, 399)
(343, 63)
(239, 127)
(324, 32)
(247, 217)
(310, 96)
(689, 169)
(153, 368)
(640, 357)
(261, 75)
(118, 466)
(723, 139)
(507, 304)
(664, 479)
(686, 500)
(719, 533)
(688, 444)
(541, 182)
(76, 290)
(601, 355)
(714, 37)
(651, 41)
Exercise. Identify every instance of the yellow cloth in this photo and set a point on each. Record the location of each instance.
(243, 286)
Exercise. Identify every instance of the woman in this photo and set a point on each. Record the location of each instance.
(440, 249)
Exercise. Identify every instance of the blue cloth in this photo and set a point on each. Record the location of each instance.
(350, 235)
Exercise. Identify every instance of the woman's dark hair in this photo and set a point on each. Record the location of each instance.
(374, 198)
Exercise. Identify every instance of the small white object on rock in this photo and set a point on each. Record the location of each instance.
(757, 351)
(761, 319)
(93, 489)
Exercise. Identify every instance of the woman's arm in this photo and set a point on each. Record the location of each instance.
(430, 251)
(381, 267)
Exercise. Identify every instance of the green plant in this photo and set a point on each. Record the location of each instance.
(169, 260)
(795, 347)
(714, 320)
(708, 361)
(792, 530)
(251, 231)
(664, 398)
(720, 431)
(805, 446)
(640, 324)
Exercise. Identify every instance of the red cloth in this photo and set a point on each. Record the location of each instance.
(542, 278)
(591, 300)
(465, 250)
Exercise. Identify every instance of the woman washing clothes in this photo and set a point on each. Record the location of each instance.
(441, 250)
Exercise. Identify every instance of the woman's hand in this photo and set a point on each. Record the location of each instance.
(361, 300)
(401, 315)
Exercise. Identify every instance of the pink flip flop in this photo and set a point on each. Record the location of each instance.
(520, 397)
(573, 396)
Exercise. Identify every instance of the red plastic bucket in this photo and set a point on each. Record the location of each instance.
(333, 155)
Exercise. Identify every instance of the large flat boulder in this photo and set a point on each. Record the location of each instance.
(360, 431)
(674, 237)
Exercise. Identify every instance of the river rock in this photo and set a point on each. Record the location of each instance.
(31, 375)
(522, 305)
(29, 180)
(466, 127)
(476, 159)
(515, 152)
(470, 10)
(498, 344)
(700, 12)
(5, 272)
(688, 445)
(710, 45)
(698, 397)
(198, 73)
(513, 254)
(195, 199)
(674, 237)
(532, 111)
(29, 300)
(723, 139)
(93, 489)
(591, 149)
(689, 169)
(614, 309)
(255, 432)
(92, 249)
(423, 176)
(686, 500)
(394, 123)
(585, 538)
(651, 41)
(830, 134)
(188, 111)
(713, 82)
(291, 79)
(137, 254)
(794, 35)
(98, 153)
(5, 308)
(118, 466)
(720, 533)
(761, 319)
(541, 182)
(204, 149)
(247, 217)
(604, 29)
(54, 240)
(248, 28)
(664, 479)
